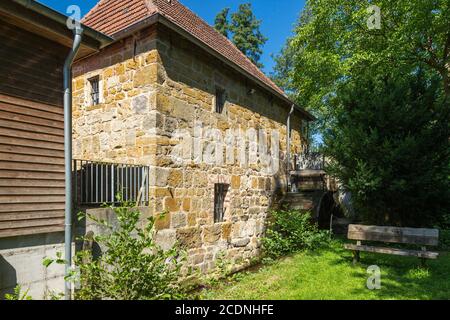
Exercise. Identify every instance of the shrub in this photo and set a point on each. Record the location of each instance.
(131, 267)
(389, 146)
(290, 231)
(18, 294)
(445, 221)
(444, 239)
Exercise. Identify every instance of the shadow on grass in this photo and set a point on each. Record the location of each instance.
(401, 277)
(328, 273)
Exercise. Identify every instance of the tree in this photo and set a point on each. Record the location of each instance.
(389, 146)
(221, 23)
(337, 39)
(246, 33)
(244, 30)
(282, 71)
(283, 75)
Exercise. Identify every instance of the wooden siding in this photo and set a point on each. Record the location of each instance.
(31, 167)
(30, 67)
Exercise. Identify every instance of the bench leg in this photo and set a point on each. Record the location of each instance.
(423, 263)
(355, 257)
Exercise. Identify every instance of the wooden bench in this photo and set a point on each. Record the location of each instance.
(418, 236)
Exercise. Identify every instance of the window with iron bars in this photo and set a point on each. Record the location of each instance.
(95, 90)
(97, 183)
(220, 192)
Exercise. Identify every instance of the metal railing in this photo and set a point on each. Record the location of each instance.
(96, 183)
(309, 161)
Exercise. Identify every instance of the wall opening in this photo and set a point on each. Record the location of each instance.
(220, 192)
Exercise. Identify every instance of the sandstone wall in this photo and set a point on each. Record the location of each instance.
(120, 127)
(168, 86)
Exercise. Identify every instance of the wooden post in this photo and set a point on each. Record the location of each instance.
(355, 257)
(423, 261)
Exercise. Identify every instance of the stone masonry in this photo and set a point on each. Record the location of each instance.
(155, 83)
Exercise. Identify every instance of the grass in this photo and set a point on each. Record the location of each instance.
(328, 273)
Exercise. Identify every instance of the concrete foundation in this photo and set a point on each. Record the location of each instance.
(21, 264)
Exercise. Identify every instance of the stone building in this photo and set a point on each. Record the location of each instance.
(173, 94)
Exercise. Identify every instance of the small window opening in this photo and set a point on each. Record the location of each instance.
(95, 90)
(220, 192)
(220, 99)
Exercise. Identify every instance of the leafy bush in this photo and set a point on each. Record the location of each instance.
(131, 267)
(444, 223)
(18, 294)
(444, 239)
(290, 231)
(444, 231)
(389, 146)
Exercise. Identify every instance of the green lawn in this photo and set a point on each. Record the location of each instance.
(329, 274)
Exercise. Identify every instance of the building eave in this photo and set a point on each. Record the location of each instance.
(41, 19)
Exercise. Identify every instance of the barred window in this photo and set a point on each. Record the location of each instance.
(95, 90)
(220, 99)
(220, 192)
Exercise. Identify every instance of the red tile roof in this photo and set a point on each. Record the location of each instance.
(112, 16)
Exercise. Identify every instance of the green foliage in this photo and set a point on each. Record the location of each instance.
(131, 267)
(49, 261)
(389, 151)
(389, 147)
(282, 71)
(246, 33)
(444, 223)
(222, 270)
(328, 274)
(289, 231)
(334, 44)
(54, 296)
(221, 23)
(444, 239)
(244, 29)
(18, 294)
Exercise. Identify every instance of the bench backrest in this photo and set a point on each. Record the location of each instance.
(419, 236)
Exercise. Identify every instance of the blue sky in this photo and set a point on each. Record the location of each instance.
(278, 17)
